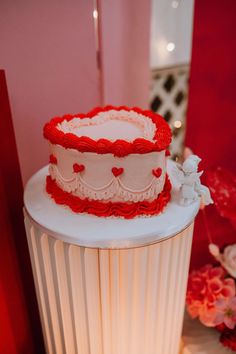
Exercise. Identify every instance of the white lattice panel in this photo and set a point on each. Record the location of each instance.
(95, 301)
(168, 97)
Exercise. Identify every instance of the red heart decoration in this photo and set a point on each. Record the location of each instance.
(167, 153)
(157, 172)
(78, 168)
(53, 159)
(117, 171)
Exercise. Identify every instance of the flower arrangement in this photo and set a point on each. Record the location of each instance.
(211, 294)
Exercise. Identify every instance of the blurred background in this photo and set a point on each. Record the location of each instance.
(174, 57)
(170, 56)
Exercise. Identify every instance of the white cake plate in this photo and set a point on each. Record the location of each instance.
(97, 232)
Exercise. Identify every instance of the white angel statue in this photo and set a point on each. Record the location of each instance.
(190, 185)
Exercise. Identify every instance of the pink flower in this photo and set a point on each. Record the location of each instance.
(206, 286)
(207, 316)
(225, 312)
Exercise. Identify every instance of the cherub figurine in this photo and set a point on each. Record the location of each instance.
(190, 184)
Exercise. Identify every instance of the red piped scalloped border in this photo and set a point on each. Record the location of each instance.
(119, 147)
(105, 209)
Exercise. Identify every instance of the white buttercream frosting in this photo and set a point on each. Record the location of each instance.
(114, 188)
(111, 125)
(97, 182)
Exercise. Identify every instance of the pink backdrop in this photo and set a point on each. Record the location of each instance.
(48, 52)
(49, 55)
(125, 47)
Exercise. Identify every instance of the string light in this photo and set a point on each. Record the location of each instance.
(95, 14)
(175, 4)
(177, 124)
(170, 46)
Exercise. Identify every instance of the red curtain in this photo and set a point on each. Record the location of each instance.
(211, 122)
(20, 326)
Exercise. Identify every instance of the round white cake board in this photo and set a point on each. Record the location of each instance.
(97, 232)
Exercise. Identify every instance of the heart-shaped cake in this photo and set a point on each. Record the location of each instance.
(122, 154)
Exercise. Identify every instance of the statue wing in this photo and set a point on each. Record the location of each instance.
(178, 173)
(194, 177)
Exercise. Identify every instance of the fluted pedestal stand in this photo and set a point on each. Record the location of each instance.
(108, 286)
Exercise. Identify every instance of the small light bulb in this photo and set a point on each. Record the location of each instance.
(95, 14)
(177, 124)
(175, 4)
(170, 46)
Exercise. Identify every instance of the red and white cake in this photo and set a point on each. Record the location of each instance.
(109, 162)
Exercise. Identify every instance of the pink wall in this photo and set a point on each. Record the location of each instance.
(48, 51)
(125, 38)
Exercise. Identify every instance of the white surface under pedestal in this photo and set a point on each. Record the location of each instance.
(198, 339)
(92, 231)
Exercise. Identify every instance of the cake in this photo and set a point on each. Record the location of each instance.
(109, 162)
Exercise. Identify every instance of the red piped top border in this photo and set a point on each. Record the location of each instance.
(118, 147)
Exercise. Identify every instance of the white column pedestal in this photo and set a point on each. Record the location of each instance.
(108, 286)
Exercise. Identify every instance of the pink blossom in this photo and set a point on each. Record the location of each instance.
(207, 315)
(206, 287)
(226, 312)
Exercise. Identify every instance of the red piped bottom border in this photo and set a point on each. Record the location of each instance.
(106, 209)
